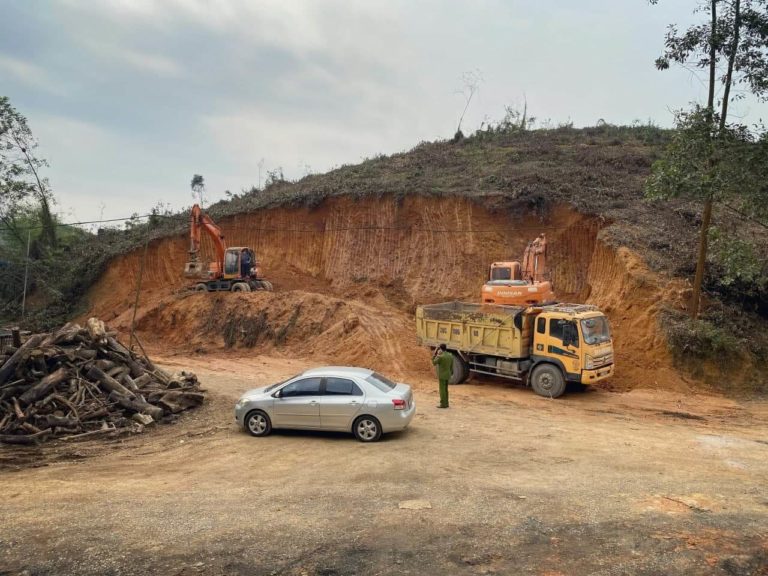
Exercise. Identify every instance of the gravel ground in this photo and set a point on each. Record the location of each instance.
(593, 483)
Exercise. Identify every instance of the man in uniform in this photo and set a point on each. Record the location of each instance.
(444, 362)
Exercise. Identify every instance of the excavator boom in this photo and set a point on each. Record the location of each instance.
(198, 222)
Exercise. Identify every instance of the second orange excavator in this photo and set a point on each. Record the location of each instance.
(235, 269)
(514, 284)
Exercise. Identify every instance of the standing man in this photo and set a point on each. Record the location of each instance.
(444, 362)
(245, 263)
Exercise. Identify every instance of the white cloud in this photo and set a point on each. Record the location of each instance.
(154, 64)
(28, 73)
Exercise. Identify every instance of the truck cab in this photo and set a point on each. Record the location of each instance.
(575, 338)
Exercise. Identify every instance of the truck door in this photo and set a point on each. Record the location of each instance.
(558, 338)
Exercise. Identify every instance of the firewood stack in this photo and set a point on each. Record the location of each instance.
(79, 382)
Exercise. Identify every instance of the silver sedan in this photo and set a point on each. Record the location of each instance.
(339, 398)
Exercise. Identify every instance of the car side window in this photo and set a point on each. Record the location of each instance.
(341, 387)
(304, 387)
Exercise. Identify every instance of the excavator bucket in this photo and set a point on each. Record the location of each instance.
(196, 270)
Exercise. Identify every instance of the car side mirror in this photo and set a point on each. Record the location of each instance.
(278, 394)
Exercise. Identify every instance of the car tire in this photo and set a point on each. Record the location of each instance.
(240, 287)
(460, 370)
(547, 380)
(257, 423)
(366, 428)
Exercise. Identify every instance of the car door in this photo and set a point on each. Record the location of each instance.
(340, 403)
(297, 405)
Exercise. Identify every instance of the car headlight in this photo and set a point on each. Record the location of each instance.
(242, 402)
(589, 362)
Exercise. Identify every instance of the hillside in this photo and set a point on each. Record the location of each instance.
(422, 226)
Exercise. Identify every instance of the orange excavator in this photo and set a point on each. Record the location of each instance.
(514, 284)
(235, 269)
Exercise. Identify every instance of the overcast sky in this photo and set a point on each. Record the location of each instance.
(130, 98)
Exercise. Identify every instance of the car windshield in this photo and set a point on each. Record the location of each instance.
(595, 330)
(273, 386)
(381, 382)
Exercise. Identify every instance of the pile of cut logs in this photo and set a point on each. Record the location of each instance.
(79, 382)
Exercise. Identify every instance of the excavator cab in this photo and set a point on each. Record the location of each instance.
(505, 271)
(520, 284)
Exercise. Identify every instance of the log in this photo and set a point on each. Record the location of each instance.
(10, 365)
(44, 386)
(119, 348)
(86, 354)
(138, 406)
(143, 380)
(109, 383)
(176, 401)
(16, 336)
(97, 331)
(128, 382)
(25, 438)
(61, 421)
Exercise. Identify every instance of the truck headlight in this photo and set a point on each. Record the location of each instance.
(589, 362)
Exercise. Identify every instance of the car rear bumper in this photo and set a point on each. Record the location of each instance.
(398, 419)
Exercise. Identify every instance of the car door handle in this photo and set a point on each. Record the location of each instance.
(313, 402)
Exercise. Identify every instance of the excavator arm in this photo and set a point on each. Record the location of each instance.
(200, 222)
(535, 260)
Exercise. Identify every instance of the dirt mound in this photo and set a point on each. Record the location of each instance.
(295, 324)
(375, 260)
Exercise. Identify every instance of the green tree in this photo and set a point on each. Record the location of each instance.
(20, 180)
(198, 187)
(703, 162)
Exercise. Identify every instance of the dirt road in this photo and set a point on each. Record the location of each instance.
(593, 483)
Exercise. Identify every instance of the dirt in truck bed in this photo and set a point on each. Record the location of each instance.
(504, 482)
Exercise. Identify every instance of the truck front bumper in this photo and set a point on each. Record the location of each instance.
(592, 376)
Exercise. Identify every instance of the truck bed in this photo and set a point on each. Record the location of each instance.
(495, 330)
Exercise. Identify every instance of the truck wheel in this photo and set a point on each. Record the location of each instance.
(201, 288)
(460, 370)
(267, 285)
(547, 380)
(240, 287)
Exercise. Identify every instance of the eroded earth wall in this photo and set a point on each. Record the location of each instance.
(381, 257)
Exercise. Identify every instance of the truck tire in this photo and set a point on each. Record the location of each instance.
(460, 370)
(240, 287)
(201, 287)
(547, 380)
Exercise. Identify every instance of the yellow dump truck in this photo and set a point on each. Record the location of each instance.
(544, 346)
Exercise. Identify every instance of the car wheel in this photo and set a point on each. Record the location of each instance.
(547, 381)
(367, 429)
(258, 423)
(240, 287)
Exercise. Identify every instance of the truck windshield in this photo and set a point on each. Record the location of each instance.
(595, 330)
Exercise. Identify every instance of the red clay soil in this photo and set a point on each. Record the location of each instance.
(355, 270)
